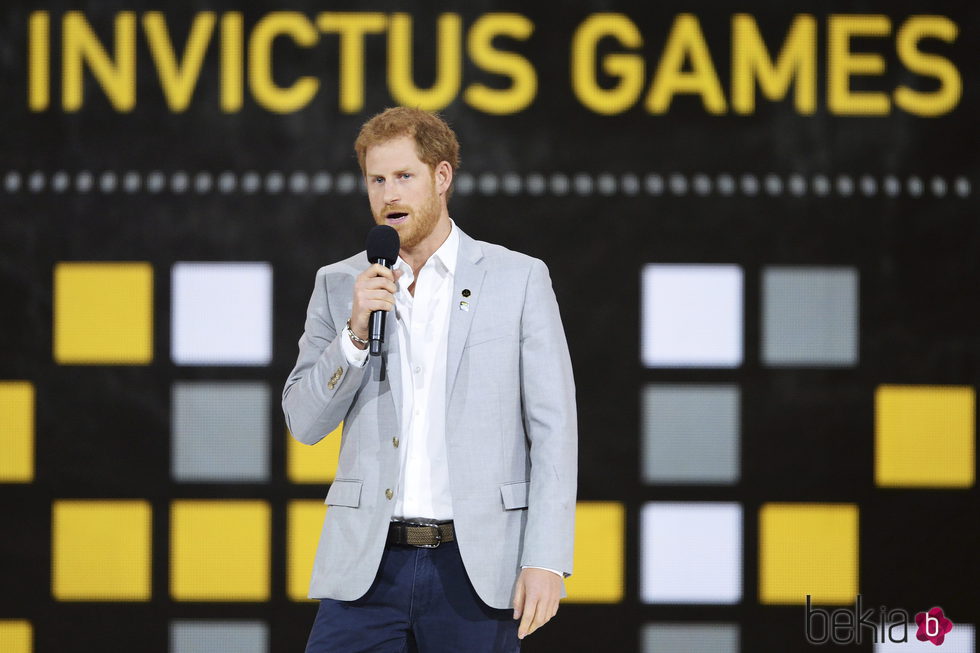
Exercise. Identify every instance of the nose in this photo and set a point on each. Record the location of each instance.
(390, 194)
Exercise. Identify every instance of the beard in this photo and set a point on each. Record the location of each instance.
(421, 222)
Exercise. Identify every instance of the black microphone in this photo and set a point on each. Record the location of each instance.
(382, 247)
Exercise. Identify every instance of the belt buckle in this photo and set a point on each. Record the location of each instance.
(438, 535)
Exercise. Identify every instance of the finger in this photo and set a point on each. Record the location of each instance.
(377, 305)
(546, 611)
(540, 618)
(374, 271)
(378, 294)
(382, 271)
(376, 283)
(361, 322)
(519, 599)
(374, 294)
(523, 630)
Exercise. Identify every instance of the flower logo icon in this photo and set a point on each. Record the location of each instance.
(933, 626)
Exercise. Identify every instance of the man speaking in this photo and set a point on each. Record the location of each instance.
(451, 520)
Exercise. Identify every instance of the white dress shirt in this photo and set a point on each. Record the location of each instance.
(422, 322)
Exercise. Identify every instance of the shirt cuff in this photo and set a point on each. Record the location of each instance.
(558, 573)
(356, 357)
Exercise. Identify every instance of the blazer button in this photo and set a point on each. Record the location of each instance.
(394, 442)
(389, 494)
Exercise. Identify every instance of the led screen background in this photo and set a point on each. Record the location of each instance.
(767, 276)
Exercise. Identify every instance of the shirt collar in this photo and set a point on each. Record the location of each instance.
(446, 254)
(449, 250)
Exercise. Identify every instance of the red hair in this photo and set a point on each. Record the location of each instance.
(435, 141)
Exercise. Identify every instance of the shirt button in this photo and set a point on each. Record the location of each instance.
(394, 442)
(418, 370)
(389, 494)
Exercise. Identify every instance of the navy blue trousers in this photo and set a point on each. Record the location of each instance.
(421, 602)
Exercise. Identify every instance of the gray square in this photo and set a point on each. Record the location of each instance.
(690, 434)
(810, 316)
(689, 638)
(220, 432)
(219, 637)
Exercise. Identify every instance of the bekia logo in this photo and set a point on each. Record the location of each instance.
(933, 626)
(851, 625)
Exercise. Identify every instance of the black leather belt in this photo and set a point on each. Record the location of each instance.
(428, 536)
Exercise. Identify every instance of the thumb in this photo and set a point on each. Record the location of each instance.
(519, 597)
(398, 274)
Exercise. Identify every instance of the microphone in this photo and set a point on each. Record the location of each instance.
(382, 247)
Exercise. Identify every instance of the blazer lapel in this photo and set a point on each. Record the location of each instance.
(469, 276)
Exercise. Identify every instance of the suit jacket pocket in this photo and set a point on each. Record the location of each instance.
(514, 495)
(485, 335)
(344, 493)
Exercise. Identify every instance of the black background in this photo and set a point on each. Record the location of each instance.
(807, 434)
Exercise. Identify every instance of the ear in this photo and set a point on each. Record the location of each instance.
(443, 175)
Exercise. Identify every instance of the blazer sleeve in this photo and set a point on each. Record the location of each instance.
(323, 384)
(548, 394)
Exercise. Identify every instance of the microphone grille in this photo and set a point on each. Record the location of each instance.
(383, 242)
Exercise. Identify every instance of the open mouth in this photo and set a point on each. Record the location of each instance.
(396, 217)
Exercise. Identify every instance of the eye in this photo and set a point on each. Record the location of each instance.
(378, 180)
(406, 175)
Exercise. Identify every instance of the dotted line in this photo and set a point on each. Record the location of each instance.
(558, 184)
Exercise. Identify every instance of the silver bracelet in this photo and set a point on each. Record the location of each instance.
(353, 336)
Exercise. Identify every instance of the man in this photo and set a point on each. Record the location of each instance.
(450, 522)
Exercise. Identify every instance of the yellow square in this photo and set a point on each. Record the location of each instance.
(219, 550)
(16, 432)
(103, 313)
(16, 636)
(925, 436)
(808, 548)
(598, 563)
(316, 464)
(304, 521)
(101, 550)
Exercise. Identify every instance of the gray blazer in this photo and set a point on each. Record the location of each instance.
(510, 425)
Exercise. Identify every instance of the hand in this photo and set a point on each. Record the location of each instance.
(374, 290)
(535, 599)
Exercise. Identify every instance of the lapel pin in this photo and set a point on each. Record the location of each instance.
(464, 306)
(466, 292)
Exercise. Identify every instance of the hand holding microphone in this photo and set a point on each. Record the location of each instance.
(374, 289)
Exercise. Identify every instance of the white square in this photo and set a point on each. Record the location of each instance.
(691, 315)
(691, 553)
(958, 640)
(221, 313)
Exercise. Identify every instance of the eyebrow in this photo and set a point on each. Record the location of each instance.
(399, 171)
